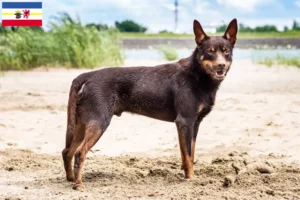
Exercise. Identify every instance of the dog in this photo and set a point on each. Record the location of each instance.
(183, 92)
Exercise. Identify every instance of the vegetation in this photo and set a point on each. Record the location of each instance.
(4, 29)
(68, 44)
(281, 60)
(165, 32)
(261, 29)
(246, 29)
(296, 26)
(169, 53)
(99, 27)
(130, 26)
(289, 34)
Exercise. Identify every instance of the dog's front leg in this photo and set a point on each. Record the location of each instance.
(185, 134)
(195, 132)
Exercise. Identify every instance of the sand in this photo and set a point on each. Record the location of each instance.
(256, 118)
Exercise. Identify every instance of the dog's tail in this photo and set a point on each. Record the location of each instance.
(72, 104)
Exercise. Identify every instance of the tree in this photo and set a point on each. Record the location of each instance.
(130, 26)
(266, 28)
(295, 26)
(221, 28)
(99, 27)
(165, 31)
(286, 28)
(244, 28)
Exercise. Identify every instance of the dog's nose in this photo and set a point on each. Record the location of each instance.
(221, 65)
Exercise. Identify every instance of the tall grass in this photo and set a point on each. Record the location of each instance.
(68, 44)
(169, 53)
(281, 60)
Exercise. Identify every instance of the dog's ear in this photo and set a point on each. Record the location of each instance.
(231, 31)
(200, 35)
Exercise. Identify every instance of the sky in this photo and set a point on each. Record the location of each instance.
(158, 15)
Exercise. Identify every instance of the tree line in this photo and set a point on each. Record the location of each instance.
(261, 29)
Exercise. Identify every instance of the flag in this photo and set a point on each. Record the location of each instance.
(22, 14)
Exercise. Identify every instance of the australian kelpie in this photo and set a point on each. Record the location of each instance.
(183, 92)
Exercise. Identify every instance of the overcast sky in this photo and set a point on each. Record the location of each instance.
(159, 14)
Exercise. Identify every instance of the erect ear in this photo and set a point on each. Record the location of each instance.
(200, 35)
(231, 31)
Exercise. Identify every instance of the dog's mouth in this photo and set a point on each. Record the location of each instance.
(220, 74)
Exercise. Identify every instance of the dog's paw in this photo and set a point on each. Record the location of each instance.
(70, 178)
(78, 186)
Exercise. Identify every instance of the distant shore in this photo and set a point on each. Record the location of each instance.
(265, 43)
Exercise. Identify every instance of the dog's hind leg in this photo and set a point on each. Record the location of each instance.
(75, 131)
(77, 140)
(94, 131)
(69, 140)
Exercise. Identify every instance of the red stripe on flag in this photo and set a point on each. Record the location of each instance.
(20, 22)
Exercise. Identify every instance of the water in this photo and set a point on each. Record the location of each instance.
(239, 54)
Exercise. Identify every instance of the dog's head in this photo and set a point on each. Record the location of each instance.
(214, 54)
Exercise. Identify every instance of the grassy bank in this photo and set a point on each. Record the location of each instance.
(290, 34)
(169, 52)
(68, 44)
(281, 60)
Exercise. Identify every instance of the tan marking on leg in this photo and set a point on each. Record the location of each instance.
(92, 135)
(182, 160)
(195, 133)
(202, 57)
(186, 158)
(77, 140)
(193, 150)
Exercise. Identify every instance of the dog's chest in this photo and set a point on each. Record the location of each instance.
(203, 108)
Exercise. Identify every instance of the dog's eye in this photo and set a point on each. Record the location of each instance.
(226, 51)
(211, 51)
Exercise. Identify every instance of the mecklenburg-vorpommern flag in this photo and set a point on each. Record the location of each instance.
(22, 14)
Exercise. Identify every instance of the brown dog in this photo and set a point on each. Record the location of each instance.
(183, 92)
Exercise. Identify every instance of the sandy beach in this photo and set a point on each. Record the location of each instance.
(255, 119)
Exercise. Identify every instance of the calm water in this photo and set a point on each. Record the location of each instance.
(239, 54)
